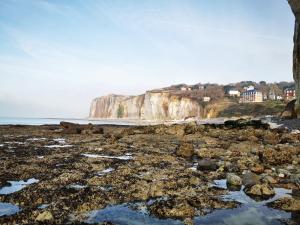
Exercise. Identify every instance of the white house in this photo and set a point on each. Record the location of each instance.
(251, 96)
(234, 93)
(206, 99)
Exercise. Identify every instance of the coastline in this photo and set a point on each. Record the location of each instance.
(174, 172)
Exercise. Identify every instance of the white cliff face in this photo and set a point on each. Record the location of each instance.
(164, 106)
(117, 106)
(150, 106)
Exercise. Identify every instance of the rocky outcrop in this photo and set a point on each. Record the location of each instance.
(149, 106)
(295, 6)
(117, 106)
(74, 128)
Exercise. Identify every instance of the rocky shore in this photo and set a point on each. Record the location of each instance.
(173, 174)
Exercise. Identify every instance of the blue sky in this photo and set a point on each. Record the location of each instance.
(57, 55)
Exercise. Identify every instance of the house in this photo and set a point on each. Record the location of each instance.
(272, 95)
(290, 94)
(234, 93)
(183, 88)
(251, 96)
(206, 99)
(249, 88)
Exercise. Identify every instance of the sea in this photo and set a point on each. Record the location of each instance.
(54, 121)
(132, 122)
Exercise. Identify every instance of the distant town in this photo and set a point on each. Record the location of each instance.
(242, 92)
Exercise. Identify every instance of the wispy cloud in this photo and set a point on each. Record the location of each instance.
(68, 52)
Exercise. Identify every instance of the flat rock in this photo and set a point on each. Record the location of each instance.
(260, 190)
(250, 179)
(287, 204)
(207, 165)
(44, 216)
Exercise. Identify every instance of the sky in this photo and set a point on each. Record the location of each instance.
(57, 55)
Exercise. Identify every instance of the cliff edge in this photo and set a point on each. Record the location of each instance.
(158, 105)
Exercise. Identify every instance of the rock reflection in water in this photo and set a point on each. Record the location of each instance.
(124, 215)
(251, 212)
(244, 215)
(240, 196)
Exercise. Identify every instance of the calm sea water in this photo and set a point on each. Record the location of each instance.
(42, 121)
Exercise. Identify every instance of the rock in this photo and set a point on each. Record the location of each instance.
(270, 138)
(194, 181)
(289, 111)
(157, 105)
(188, 221)
(86, 132)
(287, 204)
(175, 130)
(295, 6)
(44, 216)
(97, 130)
(250, 179)
(191, 128)
(258, 168)
(233, 179)
(74, 128)
(242, 123)
(172, 209)
(186, 150)
(295, 178)
(209, 152)
(283, 173)
(282, 155)
(207, 165)
(270, 180)
(260, 190)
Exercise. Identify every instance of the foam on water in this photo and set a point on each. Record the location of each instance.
(36, 139)
(126, 157)
(77, 186)
(108, 170)
(58, 146)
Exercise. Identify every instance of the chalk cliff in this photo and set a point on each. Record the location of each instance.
(295, 6)
(149, 106)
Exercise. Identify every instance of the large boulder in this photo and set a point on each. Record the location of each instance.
(289, 111)
(260, 190)
(250, 179)
(295, 6)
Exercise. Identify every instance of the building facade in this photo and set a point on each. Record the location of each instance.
(251, 96)
(290, 94)
(234, 93)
